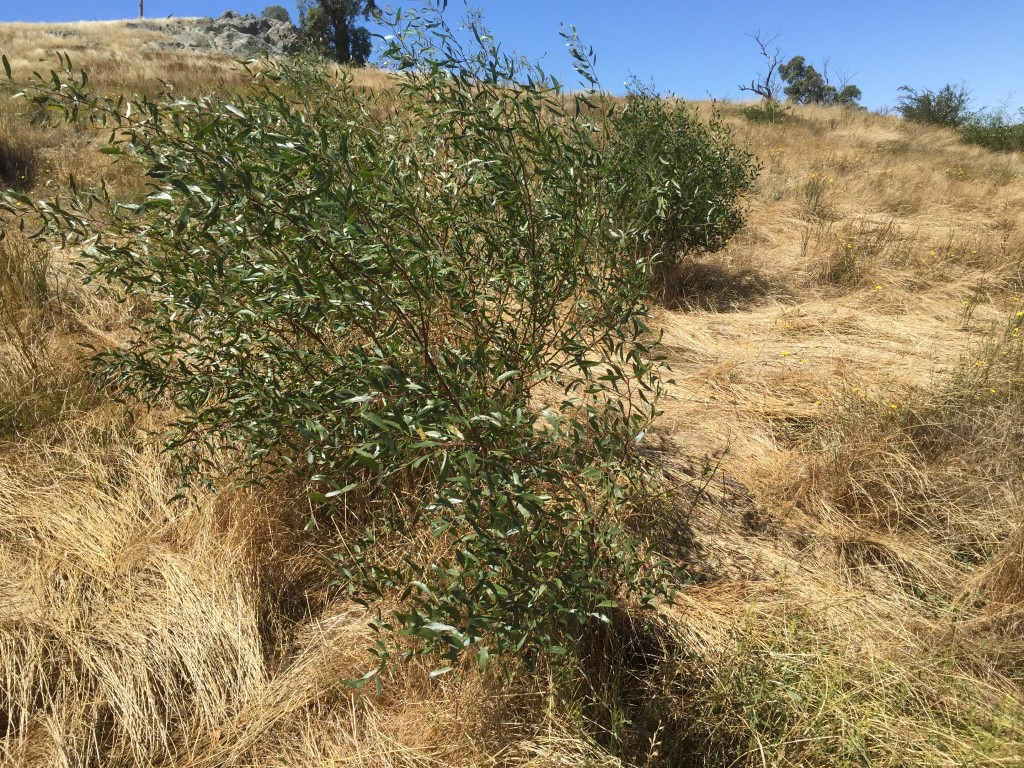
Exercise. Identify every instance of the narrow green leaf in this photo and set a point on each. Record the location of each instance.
(438, 627)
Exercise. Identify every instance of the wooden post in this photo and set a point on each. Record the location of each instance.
(140, 8)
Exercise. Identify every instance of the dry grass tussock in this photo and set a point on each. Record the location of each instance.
(842, 440)
(138, 631)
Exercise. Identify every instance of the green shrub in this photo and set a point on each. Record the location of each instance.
(276, 13)
(430, 300)
(946, 107)
(675, 182)
(994, 131)
(765, 112)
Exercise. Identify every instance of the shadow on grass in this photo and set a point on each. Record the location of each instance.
(18, 165)
(701, 285)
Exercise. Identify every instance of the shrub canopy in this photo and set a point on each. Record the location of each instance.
(277, 13)
(947, 106)
(429, 302)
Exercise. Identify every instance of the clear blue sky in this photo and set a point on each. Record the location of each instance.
(700, 48)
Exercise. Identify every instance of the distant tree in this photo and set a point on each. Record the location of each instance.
(276, 13)
(806, 85)
(946, 107)
(330, 27)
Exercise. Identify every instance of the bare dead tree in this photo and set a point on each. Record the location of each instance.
(767, 86)
(845, 78)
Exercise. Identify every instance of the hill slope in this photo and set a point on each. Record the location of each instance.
(842, 441)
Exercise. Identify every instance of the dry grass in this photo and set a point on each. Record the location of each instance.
(850, 365)
(138, 631)
(118, 58)
(866, 409)
(123, 58)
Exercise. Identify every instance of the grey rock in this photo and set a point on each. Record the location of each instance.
(231, 33)
(283, 36)
(152, 26)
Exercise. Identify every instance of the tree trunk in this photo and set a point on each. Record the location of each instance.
(342, 43)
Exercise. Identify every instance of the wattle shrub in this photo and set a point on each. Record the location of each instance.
(430, 302)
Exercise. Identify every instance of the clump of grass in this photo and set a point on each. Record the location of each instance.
(710, 284)
(26, 392)
(791, 689)
(867, 466)
(40, 307)
(818, 203)
(21, 144)
(856, 253)
(899, 196)
(113, 636)
(23, 284)
(898, 463)
(986, 395)
(999, 589)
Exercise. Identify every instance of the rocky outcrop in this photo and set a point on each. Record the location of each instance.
(234, 34)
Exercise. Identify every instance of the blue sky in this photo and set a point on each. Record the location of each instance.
(697, 48)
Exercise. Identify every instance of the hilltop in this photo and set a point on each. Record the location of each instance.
(134, 55)
(231, 33)
(841, 442)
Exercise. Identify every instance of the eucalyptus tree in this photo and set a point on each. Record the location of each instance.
(331, 27)
(806, 85)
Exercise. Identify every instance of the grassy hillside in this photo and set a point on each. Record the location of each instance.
(841, 440)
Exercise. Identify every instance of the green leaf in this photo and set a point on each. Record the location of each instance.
(438, 627)
(378, 422)
(360, 682)
(161, 196)
(341, 491)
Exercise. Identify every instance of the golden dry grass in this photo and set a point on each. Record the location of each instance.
(118, 58)
(850, 367)
(122, 58)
